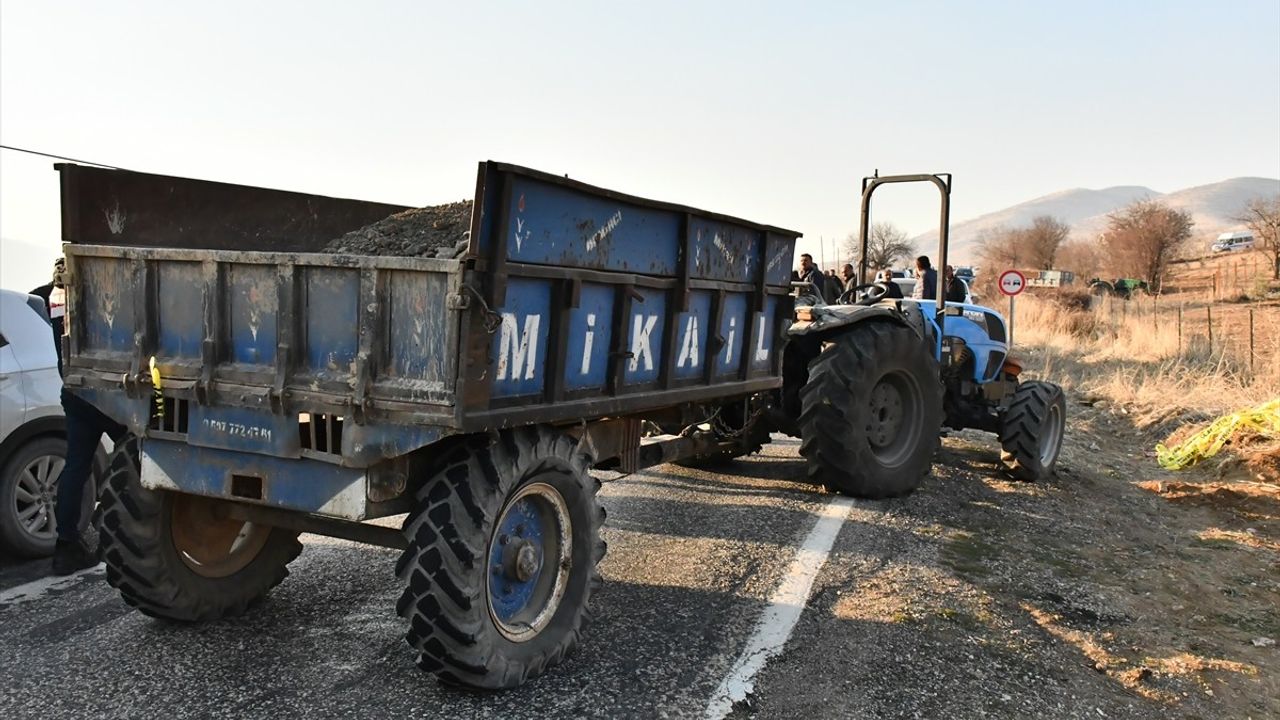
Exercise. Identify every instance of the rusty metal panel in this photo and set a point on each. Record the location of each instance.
(330, 317)
(121, 207)
(180, 309)
(109, 312)
(418, 329)
(252, 314)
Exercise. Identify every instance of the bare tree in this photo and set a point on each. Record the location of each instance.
(1043, 239)
(1081, 257)
(1001, 248)
(886, 245)
(1262, 215)
(1143, 237)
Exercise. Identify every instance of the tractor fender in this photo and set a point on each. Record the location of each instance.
(827, 319)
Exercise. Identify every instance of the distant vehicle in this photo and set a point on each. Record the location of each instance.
(32, 431)
(1049, 278)
(1233, 242)
(966, 274)
(1124, 288)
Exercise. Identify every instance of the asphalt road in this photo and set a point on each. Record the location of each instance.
(695, 561)
(693, 558)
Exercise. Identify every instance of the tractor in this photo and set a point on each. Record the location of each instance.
(870, 382)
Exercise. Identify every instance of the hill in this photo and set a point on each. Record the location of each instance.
(1213, 207)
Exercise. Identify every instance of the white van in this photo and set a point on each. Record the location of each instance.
(1233, 241)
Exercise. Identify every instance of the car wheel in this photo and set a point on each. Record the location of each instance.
(28, 490)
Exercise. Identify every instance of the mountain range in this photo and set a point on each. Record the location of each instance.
(1213, 207)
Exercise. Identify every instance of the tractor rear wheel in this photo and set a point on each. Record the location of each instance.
(1031, 430)
(172, 556)
(871, 412)
(501, 563)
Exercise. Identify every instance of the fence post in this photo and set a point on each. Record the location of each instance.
(1180, 329)
(1208, 313)
(1250, 341)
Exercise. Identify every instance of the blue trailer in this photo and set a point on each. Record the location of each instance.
(272, 390)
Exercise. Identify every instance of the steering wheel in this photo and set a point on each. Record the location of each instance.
(875, 293)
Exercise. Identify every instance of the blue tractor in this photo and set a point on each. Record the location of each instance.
(871, 382)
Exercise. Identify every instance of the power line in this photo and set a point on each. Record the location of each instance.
(59, 157)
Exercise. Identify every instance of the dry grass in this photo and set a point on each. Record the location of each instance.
(1135, 359)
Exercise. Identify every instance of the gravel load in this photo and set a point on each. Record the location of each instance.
(440, 231)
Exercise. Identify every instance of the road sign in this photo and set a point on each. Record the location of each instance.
(1012, 282)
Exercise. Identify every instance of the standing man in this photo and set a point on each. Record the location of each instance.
(811, 274)
(846, 275)
(54, 294)
(955, 286)
(85, 426)
(926, 280)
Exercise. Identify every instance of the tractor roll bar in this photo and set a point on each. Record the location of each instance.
(943, 182)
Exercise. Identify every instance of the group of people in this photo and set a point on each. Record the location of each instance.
(831, 287)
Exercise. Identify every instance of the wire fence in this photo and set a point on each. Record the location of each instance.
(1247, 334)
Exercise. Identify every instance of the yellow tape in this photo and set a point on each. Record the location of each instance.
(155, 383)
(1263, 420)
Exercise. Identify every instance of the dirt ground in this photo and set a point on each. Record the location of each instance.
(1116, 589)
(436, 231)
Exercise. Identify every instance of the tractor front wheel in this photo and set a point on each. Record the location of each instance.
(1031, 430)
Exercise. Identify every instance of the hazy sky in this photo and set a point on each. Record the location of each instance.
(769, 111)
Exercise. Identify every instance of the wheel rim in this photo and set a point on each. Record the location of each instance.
(36, 495)
(210, 544)
(894, 407)
(1051, 435)
(530, 557)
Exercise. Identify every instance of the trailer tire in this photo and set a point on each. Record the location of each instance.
(142, 546)
(871, 412)
(482, 610)
(1032, 429)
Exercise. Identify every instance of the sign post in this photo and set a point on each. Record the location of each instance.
(1012, 282)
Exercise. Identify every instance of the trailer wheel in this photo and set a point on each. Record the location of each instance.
(1031, 430)
(501, 563)
(171, 556)
(871, 412)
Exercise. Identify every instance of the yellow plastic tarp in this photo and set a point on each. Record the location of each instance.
(1262, 420)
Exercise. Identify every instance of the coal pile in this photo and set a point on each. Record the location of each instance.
(439, 231)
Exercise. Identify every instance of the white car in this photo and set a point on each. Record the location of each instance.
(32, 430)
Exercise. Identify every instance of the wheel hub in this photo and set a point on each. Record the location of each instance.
(886, 414)
(36, 496)
(529, 560)
(209, 543)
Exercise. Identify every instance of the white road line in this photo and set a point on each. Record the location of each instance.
(36, 589)
(785, 606)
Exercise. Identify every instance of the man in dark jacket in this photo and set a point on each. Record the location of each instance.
(926, 280)
(54, 294)
(85, 427)
(811, 274)
(956, 290)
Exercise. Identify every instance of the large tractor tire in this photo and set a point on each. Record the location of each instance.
(171, 556)
(1031, 430)
(501, 563)
(871, 412)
